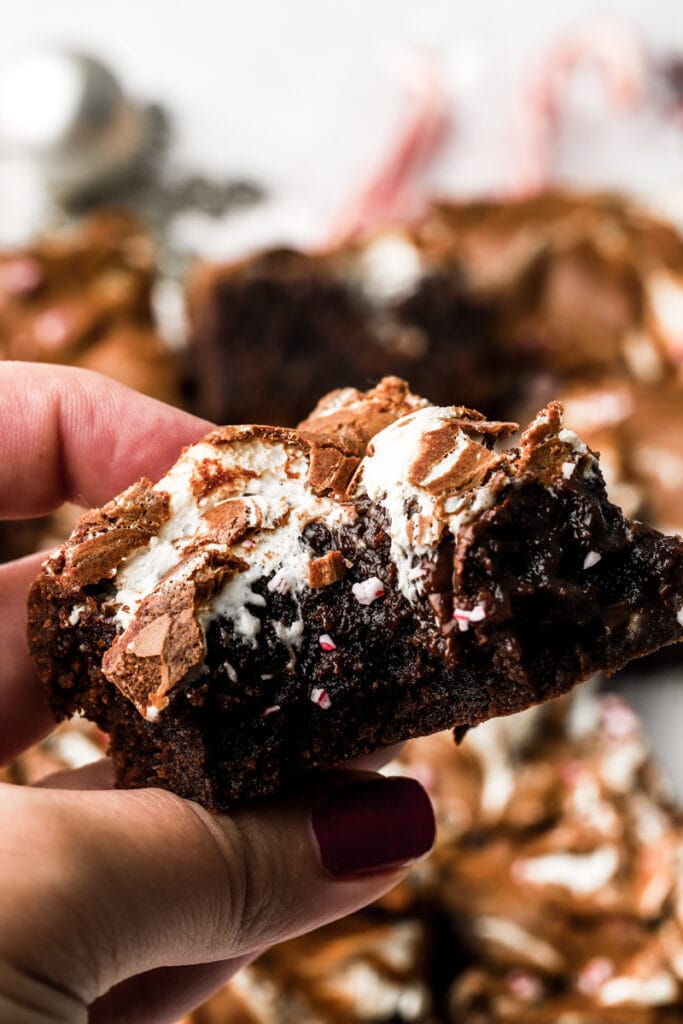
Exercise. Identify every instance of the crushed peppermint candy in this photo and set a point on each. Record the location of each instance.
(594, 975)
(368, 590)
(591, 559)
(270, 710)
(321, 698)
(568, 470)
(249, 544)
(679, 616)
(618, 720)
(279, 584)
(463, 616)
(326, 642)
(525, 986)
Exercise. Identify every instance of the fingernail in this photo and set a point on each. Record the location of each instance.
(372, 827)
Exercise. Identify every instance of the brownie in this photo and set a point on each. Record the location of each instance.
(638, 430)
(284, 599)
(82, 297)
(370, 967)
(557, 295)
(566, 888)
(516, 998)
(587, 283)
(513, 300)
(272, 333)
(553, 893)
(227, 1007)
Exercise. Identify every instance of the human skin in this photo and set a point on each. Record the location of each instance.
(132, 907)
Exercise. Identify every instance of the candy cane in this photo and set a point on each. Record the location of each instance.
(393, 192)
(619, 55)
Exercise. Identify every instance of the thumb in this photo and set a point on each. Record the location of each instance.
(112, 884)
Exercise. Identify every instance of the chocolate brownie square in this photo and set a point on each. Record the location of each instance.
(284, 599)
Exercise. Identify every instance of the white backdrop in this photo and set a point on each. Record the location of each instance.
(305, 94)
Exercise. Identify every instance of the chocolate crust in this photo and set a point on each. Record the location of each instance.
(546, 585)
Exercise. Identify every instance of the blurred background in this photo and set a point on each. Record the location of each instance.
(305, 97)
(224, 129)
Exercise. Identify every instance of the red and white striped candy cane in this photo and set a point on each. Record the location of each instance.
(393, 192)
(618, 53)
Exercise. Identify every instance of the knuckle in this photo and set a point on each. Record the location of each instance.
(240, 874)
(41, 850)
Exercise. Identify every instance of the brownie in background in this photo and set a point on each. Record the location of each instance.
(270, 334)
(82, 297)
(553, 893)
(498, 305)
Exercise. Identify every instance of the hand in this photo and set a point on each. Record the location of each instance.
(129, 907)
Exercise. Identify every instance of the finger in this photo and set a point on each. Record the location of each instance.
(74, 435)
(376, 761)
(113, 884)
(98, 775)
(25, 715)
(164, 995)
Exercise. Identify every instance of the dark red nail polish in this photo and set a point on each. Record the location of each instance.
(370, 827)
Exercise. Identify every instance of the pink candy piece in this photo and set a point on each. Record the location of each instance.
(525, 986)
(368, 590)
(321, 698)
(326, 642)
(594, 975)
(21, 276)
(570, 772)
(279, 583)
(618, 720)
(463, 616)
(270, 710)
(53, 327)
(426, 776)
